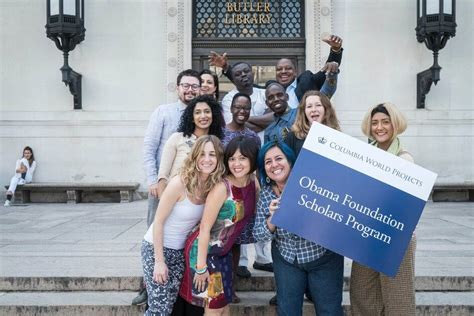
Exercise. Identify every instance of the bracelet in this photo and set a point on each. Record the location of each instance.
(336, 51)
(201, 271)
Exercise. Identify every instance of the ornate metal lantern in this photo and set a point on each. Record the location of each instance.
(65, 26)
(436, 23)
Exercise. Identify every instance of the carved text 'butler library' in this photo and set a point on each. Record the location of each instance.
(247, 12)
(241, 19)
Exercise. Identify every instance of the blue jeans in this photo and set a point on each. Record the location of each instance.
(324, 278)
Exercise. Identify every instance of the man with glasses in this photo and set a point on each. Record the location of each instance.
(163, 122)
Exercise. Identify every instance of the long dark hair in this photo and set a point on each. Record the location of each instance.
(186, 124)
(32, 154)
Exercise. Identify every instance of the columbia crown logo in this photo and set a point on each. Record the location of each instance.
(322, 140)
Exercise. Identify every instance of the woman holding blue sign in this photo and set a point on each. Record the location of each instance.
(298, 263)
(371, 292)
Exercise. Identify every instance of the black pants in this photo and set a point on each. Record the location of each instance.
(183, 308)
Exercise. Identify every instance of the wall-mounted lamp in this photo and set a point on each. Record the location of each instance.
(65, 26)
(436, 23)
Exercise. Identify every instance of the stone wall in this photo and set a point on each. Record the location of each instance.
(133, 51)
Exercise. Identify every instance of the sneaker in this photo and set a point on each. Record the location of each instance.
(263, 266)
(141, 298)
(7, 203)
(243, 272)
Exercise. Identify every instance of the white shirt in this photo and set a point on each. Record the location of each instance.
(292, 99)
(183, 218)
(258, 103)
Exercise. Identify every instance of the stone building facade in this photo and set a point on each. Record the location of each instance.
(133, 51)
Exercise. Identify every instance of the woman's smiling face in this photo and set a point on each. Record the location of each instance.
(207, 161)
(277, 166)
(314, 109)
(202, 115)
(239, 165)
(381, 129)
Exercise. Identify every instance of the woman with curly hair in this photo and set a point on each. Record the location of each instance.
(180, 209)
(314, 107)
(202, 116)
(372, 292)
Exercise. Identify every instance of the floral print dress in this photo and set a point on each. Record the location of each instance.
(236, 212)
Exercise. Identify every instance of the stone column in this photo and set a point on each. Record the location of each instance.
(179, 42)
(319, 23)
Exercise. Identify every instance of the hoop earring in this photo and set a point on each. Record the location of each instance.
(267, 180)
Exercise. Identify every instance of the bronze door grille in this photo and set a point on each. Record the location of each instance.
(218, 19)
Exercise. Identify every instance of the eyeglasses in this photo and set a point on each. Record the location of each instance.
(186, 86)
(240, 108)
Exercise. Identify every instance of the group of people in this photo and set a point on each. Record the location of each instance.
(216, 173)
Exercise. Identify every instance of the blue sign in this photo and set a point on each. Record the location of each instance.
(354, 199)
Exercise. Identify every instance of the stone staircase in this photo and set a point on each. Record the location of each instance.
(84, 259)
(448, 295)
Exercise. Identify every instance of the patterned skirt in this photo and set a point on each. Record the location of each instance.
(218, 293)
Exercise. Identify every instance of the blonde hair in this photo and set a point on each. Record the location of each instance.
(190, 171)
(302, 125)
(398, 120)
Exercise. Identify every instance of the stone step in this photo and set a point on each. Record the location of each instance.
(260, 281)
(253, 303)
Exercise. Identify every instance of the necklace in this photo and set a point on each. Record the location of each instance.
(278, 190)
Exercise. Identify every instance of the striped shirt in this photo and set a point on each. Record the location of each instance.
(291, 246)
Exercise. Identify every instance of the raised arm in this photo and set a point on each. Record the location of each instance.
(330, 84)
(335, 54)
(173, 193)
(314, 81)
(214, 201)
(218, 60)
